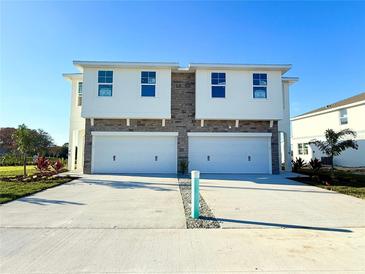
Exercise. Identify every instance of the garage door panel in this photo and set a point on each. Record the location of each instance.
(134, 154)
(229, 154)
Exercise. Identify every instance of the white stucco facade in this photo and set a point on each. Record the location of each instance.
(77, 126)
(238, 102)
(127, 101)
(312, 126)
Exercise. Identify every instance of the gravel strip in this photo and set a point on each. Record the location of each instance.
(206, 219)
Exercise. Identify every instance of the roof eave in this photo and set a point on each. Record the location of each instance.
(282, 67)
(108, 64)
(70, 76)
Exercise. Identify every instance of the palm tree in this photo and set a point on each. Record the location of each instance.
(336, 143)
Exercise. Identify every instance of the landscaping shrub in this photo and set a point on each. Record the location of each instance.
(315, 164)
(183, 166)
(297, 164)
(42, 164)
(57, 166)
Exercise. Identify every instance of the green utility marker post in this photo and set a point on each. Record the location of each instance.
(195, 175)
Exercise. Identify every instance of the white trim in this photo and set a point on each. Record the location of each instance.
(128, 122)
(271, 123)
(92, 153)
(230, 134)
(92, 121)
(201, 123)
(163, 122)
(237, 123)
(283, 68)
(110, 64)
(270, 155)
(130, 133)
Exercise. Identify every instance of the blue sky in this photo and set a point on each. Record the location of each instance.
(325, 42)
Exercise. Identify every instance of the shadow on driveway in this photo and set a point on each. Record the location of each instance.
(130, 185)
(41, 201)
(279, 225)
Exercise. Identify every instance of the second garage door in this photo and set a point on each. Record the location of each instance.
(134, 152)
(230, 152)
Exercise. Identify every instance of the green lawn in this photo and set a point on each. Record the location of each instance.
(15, 170)
(346, 182)
(14, 190)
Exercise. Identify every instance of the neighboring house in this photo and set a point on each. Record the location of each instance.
(348, 113)
(151, 117)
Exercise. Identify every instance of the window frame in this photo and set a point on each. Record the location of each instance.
(107, 80)
(259, 86)
(218, 84)
(342, 117)
(79, 93)
(303, 148)
(148, 83)
(300, 148)
(105, 85)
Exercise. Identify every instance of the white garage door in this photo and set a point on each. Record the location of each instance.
(230, 152)
(133, 152)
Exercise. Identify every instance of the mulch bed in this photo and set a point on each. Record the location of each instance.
(206, 219)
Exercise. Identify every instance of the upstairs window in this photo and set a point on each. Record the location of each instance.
(218, 81)
(343, 117)
(79, 94)
(148, 83)
(105, 83)
(260, 85)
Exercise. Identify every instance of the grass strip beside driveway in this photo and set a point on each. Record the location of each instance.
(348, 188)
(14, 190)
(7, 171)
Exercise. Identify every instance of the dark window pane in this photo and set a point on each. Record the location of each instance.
(259, 92)
(105, 90)
(144, 80)
(256, 76)
(151, 80)
(148, 90)
(101, 79)
(214, 75)
(263, 82)
(256, 82)
(218, 91)
(101, 73)
(144, 74)
(222, 75)
(221, 81)
(108, 79)
(109, 73)
(214, 81)
(263, 76)
(152, 74)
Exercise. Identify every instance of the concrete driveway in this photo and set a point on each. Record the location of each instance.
(121, 224)
(101, 201)
(267, 201)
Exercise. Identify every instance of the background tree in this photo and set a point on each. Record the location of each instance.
(7, 143)
(31, 142)
(25, 144)
(336, 142)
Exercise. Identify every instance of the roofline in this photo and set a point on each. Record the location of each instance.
(70, 76)
(354, 104)
(281, 67)
(290, 80)
(82, 64)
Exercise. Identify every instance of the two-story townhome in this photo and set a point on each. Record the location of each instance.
(157, 117)
(347, 113)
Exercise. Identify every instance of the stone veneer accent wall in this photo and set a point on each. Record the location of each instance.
(182, 121)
